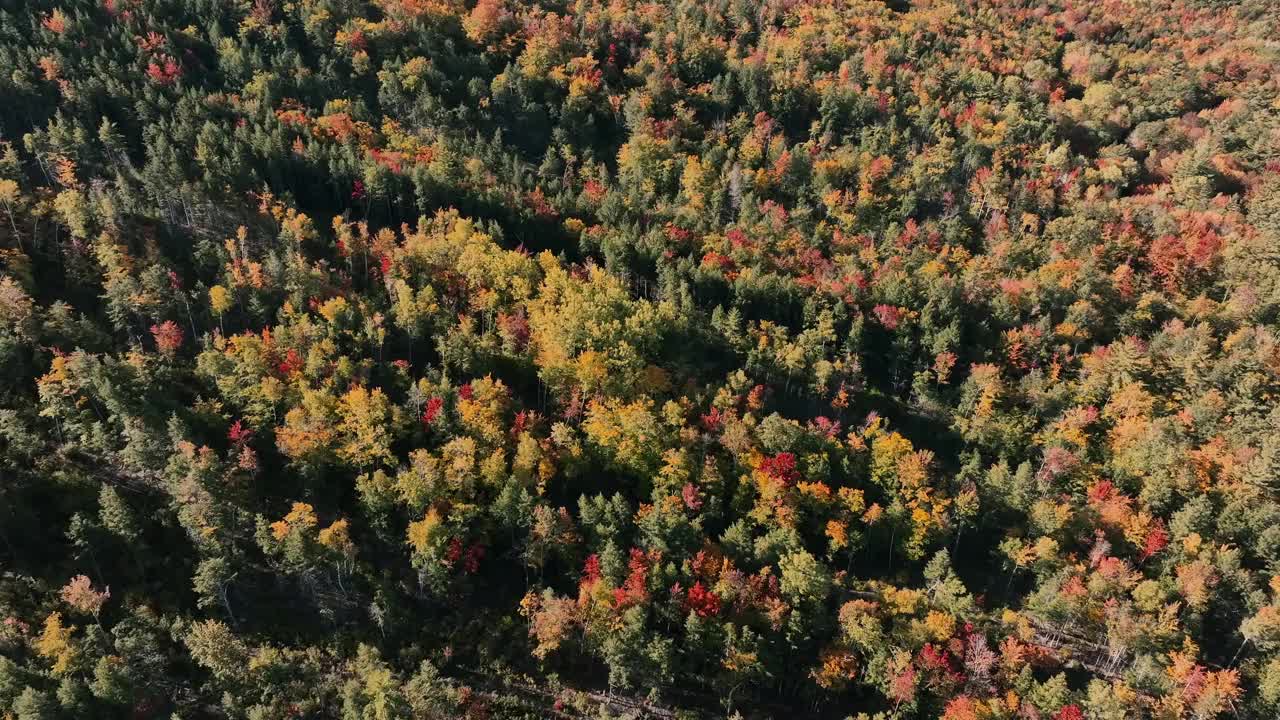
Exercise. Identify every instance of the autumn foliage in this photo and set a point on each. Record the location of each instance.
(483, 359)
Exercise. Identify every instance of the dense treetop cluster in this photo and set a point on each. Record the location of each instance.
(380, 359)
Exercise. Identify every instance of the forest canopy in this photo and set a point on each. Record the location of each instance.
(390, 359)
